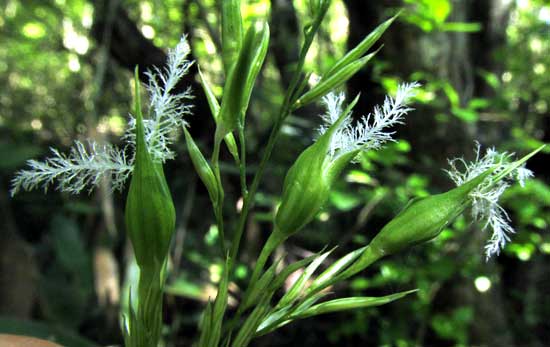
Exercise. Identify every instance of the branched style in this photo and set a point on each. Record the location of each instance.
(86, 164)
(370, 131)
(83, 167)
(167, 109)
(485, 197)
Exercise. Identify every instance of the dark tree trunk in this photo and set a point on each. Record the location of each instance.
(284, 38)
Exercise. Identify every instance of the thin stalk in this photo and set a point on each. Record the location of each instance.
(218, 210)
(242, 162)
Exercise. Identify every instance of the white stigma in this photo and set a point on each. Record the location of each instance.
(167, 109)
(485, 196)
(370, 131)
(86, 164)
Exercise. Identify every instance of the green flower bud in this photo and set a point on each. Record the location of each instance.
(306, 188)
(308, 182)
(232, 32)
(203, 169)
(423, 219)
(241, 78)
(334, 80)
(150, 214)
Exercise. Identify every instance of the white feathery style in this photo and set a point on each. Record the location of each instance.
(83, 167)
(334, 105)
(86, 164)
(485, 196)
(370, 131)
(167, 109)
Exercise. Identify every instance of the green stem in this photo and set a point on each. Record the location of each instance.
(242, 162)
(268, 248)
(146, 329)
(218, 209)
(290, 98)
(248, 200)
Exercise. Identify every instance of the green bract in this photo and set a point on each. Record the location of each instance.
(308, 182)
(241, 78)
(203, 169)
(421, 220)
(359, 50)
(345, 67)
(150, 215)
(333, 81)
(232, 32)
(215, 110)
(424, 218)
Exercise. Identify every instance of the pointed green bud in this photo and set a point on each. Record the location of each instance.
(363, 46)
(423, 219)
(333, 81)
(150, 215)
(305, 189)
(215, 110)
(232, 32)
(308, 182)
(345, 304)
(202, 168)
(240, 81)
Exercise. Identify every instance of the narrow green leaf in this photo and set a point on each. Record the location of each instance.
(334, 269)
(248, 330)
(280, 318)
(350, 303)
(215, 110)
(202, 168)
(287, 271)
(362, 48)
(298, 287)
(273, 320)
(232, 32)
(333, 81)
(241, 78)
